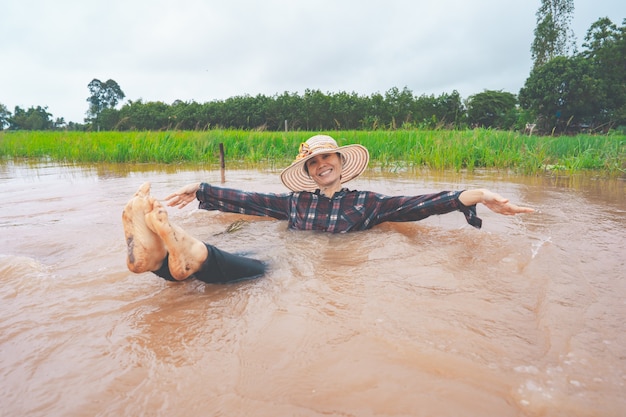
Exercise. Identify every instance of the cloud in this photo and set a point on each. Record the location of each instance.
(206, 50)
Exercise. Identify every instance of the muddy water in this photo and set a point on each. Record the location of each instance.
(525, 317)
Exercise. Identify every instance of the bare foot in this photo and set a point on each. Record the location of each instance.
(186, 253)
(146, 250)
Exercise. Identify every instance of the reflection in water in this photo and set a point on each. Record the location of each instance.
(524, 317)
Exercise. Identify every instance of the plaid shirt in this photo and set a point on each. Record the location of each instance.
(346, 211)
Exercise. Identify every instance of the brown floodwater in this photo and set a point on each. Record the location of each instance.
(525, 317)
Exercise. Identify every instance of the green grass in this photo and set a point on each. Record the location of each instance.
(437, 150)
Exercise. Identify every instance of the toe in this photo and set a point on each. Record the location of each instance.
(144, 190)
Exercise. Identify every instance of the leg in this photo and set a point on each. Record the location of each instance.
(146, 250)
(186, 253)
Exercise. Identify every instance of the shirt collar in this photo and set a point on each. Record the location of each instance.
(339, 193)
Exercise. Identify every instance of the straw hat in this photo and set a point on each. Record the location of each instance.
(355, 159)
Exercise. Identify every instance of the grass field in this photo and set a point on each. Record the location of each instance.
(439, 150)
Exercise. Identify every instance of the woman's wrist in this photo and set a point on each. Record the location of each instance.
(471, 197)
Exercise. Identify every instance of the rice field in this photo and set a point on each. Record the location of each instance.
(437, 149)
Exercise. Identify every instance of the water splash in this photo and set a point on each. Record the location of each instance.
(537, 245)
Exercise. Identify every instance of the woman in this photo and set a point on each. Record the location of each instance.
(319, 201)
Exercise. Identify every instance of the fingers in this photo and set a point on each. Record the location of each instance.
(520, 210)
(178, 200)
(172, 199)
(511, 210)
(183, 196)
(502, 206)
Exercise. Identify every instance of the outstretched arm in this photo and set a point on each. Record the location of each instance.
(494, 202)
(183, 196)
(232, 200)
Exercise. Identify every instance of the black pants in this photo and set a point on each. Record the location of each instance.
(220, 267)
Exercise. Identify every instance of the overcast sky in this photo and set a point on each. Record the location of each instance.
(195, 50)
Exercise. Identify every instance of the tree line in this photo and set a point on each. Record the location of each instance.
(311, 111)
(565, 92)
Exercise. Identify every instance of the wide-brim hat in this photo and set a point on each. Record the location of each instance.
(355, 159)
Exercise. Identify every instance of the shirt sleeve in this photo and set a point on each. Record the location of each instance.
(406, 209)
(243, 202)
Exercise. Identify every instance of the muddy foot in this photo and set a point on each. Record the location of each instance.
(186, 253)
(146, 250)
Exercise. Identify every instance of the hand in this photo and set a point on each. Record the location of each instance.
(493, 201)
(498, 204)
(183, 196)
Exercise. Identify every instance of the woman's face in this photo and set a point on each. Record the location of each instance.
(325, 169)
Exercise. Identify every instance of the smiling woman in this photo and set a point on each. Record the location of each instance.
(319, 201)
(156, 245)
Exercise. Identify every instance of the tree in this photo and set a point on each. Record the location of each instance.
(553, 36)
(449, 109)
(103, 96)
(562, 94)
(399, 104)
(137, 115)
(605, 45)
(347, 109)
(59, 123)
(5, 115)
(35, 118)
(316, 107)
(188, 116)
(495, 109)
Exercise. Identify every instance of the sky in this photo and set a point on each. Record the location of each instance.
(195, 50)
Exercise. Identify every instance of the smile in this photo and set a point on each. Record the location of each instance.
(324, 172)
